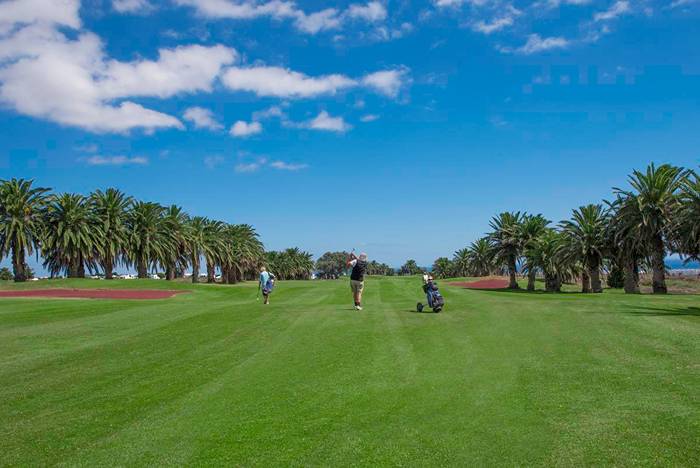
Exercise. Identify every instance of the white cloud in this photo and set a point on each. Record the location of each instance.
(98, 160)
(448, 3)
(284, 83)
(281, 82)
(556, 3)
(250, 163)
(372, 11)
(211, 162)
(244, 9)
(185, 69)
(202, 118)
(284, 166)
(682, 3)
(325, 122)
(493, 26)
(244, 129)
(619, 8)
(132, 6)
(535, 43)
(253, 166)
(311, 23)
(270, 112)
(45, 74)
(387, 82)
(320, 21)
(60, 12)
(369, 118)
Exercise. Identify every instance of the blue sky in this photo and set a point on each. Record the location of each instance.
(394, 127)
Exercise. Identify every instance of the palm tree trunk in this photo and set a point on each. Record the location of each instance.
(658, 267)
(142, 269)
(531, 275)
(108, 266)
(631, 275)
(73, 268)
(195, 269)
(211, 272)
(169, 273)
(594, 272)
(511, 273)
(18, 264)
(81, 267)
(552, 283)
(585, 281)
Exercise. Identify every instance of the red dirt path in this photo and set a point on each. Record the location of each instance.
(93, 293)
(484, 284)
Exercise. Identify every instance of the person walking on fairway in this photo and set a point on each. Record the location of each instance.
(267, 281)
(357, 277)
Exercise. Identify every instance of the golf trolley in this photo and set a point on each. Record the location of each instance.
(435, 299)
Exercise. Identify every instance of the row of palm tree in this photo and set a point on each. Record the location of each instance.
(75, 233)
(658, 214)
(290, 264)
(333, 265)
(410, 268)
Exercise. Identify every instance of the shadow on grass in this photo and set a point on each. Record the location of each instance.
(670, 312)
(426, 311)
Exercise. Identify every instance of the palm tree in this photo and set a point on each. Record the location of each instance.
(442, 268)
(73, 238)
(460, 262)
(373, 268)
(150, 239)
(480, 258)
(657, 193)
(626, 247)
(505, 242)
(544, 253)
(331, 265)
(21, 207)
(409, 268)
(214, 247)
(243, 254)
(290, 264)
(531, 228)
(196, 243)
(585, 241)
(110, 208)
(175, 260)
(687, 225)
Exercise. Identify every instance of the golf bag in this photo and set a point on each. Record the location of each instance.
(435, 299)
(269, 286)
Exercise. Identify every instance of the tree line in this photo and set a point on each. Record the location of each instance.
(75, 234)
(658, 214)
(332, 265)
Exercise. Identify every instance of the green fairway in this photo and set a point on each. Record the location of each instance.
(214, 377)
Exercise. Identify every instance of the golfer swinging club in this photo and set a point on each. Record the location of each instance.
(357, 277)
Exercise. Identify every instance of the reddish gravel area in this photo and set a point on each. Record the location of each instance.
(484, 284)
(138, 294)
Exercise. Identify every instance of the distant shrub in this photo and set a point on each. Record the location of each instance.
(5, 274)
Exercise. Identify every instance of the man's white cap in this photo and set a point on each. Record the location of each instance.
(363, 256)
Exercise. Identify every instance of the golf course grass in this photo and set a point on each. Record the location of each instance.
(214, 377)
